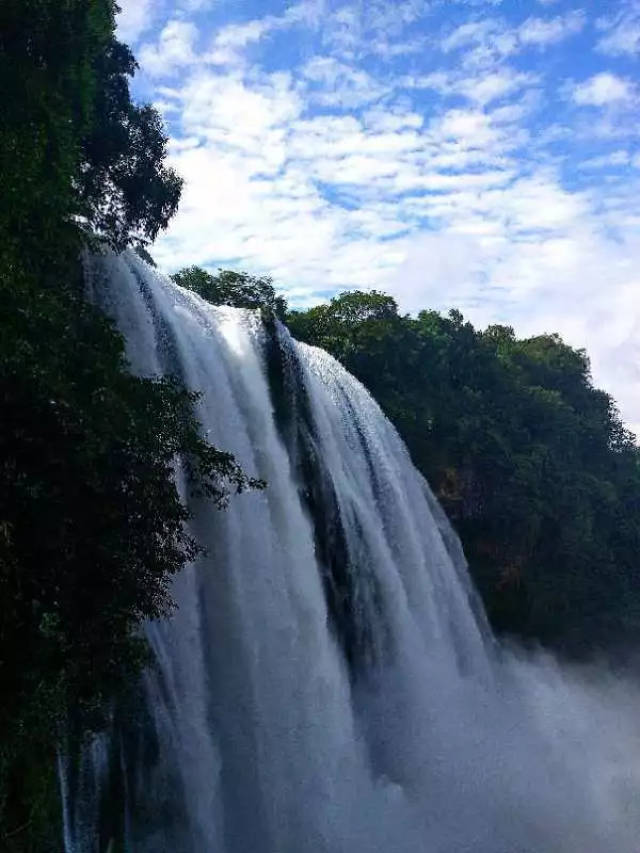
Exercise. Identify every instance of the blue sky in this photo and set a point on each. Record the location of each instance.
(478, 154)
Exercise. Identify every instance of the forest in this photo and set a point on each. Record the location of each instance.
(531, 462)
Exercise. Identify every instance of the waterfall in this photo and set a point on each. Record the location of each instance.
(328, 683)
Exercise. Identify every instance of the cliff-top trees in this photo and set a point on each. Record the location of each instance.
(238, 289)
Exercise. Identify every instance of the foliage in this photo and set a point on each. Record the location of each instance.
(531, 462)
(74, 149)
(238, 289)
(91, 520)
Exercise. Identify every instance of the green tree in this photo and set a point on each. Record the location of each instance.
(77, 157)
(238, 289)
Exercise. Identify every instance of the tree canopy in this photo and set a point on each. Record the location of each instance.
(238, 289)
(531, 462)
(76, 154)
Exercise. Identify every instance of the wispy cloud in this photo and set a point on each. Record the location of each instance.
(174, 49)
(231, 40)
(483, 88)
(601, 89)
(488, 40)
(603, 161)
(621, 30)
(134, 19)
(545, 31)
(332, 83)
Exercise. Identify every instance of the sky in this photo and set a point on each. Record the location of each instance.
(474, 154)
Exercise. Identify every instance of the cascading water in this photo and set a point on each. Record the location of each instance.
(328, 683)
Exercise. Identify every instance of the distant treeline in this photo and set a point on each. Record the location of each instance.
(531, 462)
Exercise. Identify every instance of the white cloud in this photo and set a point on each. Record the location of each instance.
(615, 159)
(335, 84)
(385, 119)
(495, 85)
(490, 40)
(174, 49)
(545, 31)
(174, 46)
(134, 19)
(224, 110)
(473, 32)
(621, 30)
(231, 40)
(196, 5)
(482, 88)
(255, 168)
(602, 89)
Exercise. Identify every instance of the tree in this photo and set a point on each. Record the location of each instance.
(125, 192)
(77, 157)
(238, 289)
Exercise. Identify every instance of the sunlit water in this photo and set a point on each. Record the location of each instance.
(328, 683)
